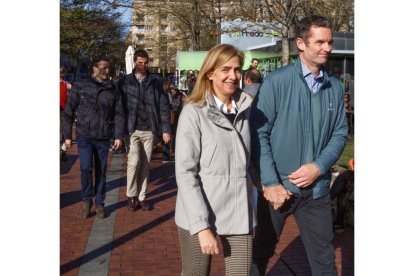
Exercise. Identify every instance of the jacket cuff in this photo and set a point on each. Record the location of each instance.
(270, 185)
(198, 226)
(271, 182)
(321, 168)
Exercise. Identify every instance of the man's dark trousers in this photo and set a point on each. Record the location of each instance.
(93, 153)
(314, 219)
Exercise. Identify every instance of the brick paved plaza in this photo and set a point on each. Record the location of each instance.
(146, 243)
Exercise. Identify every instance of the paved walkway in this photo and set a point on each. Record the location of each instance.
(146, 243)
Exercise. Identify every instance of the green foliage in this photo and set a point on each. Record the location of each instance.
(89, 28)
(139, 17)
(347, 154)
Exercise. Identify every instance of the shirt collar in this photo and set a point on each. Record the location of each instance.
(141, 79)
(306, 72)
(223, 107)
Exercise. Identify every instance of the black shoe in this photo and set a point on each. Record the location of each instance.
(132, 203)
(145, 206)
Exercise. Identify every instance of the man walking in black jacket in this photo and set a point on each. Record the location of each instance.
(147, 113)
(100, 117)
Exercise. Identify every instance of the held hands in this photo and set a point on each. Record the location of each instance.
(208, 242)
(166, 137)
(305, 175)
(276, 195)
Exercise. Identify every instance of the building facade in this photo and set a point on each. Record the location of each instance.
(154, 31)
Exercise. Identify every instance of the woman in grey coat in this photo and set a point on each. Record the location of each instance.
(215, 196)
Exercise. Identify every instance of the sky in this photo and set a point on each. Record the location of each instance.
(126, 18)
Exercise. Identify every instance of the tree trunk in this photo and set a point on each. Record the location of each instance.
(285, 46)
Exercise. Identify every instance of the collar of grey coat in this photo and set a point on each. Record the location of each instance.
(243, 101)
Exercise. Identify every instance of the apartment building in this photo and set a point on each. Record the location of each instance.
(154, 31)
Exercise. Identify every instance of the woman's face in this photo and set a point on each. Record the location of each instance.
(226, 78)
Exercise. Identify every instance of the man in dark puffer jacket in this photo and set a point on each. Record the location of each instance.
(100, 117)
(147, 113)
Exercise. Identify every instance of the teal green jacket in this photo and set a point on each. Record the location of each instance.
(280, 122)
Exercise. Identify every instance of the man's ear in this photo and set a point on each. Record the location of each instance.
(300, 43)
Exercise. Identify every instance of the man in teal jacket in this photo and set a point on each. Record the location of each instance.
(299, 130)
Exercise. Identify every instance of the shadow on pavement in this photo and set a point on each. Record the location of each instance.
(168, 185)
(161, 174)
(289, 259)
(65, 166)
(113, 207)
(295, 254)
(73, 197)
(115, 243)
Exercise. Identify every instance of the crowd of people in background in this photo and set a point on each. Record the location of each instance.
(224, 127)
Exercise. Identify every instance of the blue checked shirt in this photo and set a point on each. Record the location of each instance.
(313, 84)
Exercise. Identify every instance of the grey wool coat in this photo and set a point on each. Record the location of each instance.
(211, 167)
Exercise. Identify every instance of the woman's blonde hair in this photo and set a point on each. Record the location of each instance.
(216, 57)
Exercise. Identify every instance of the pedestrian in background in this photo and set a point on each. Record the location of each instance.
(252, 81)
(342, 190)
(299, 130)
(147, 114)
(64, 89)
(100, 116)
(212, 154)
(254, 64)
(177, 106)
(166, 147)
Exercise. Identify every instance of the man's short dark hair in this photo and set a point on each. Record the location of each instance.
(254, 75)
(141, 53)
(302, 29)
(98, 59)
(255, 59)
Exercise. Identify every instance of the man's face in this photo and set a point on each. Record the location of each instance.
(101, 70)
(255, 63)
(316, 50)
(141, 65)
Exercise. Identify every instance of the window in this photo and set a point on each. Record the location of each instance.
(140, 28)
(163, 18)
(148, 27)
